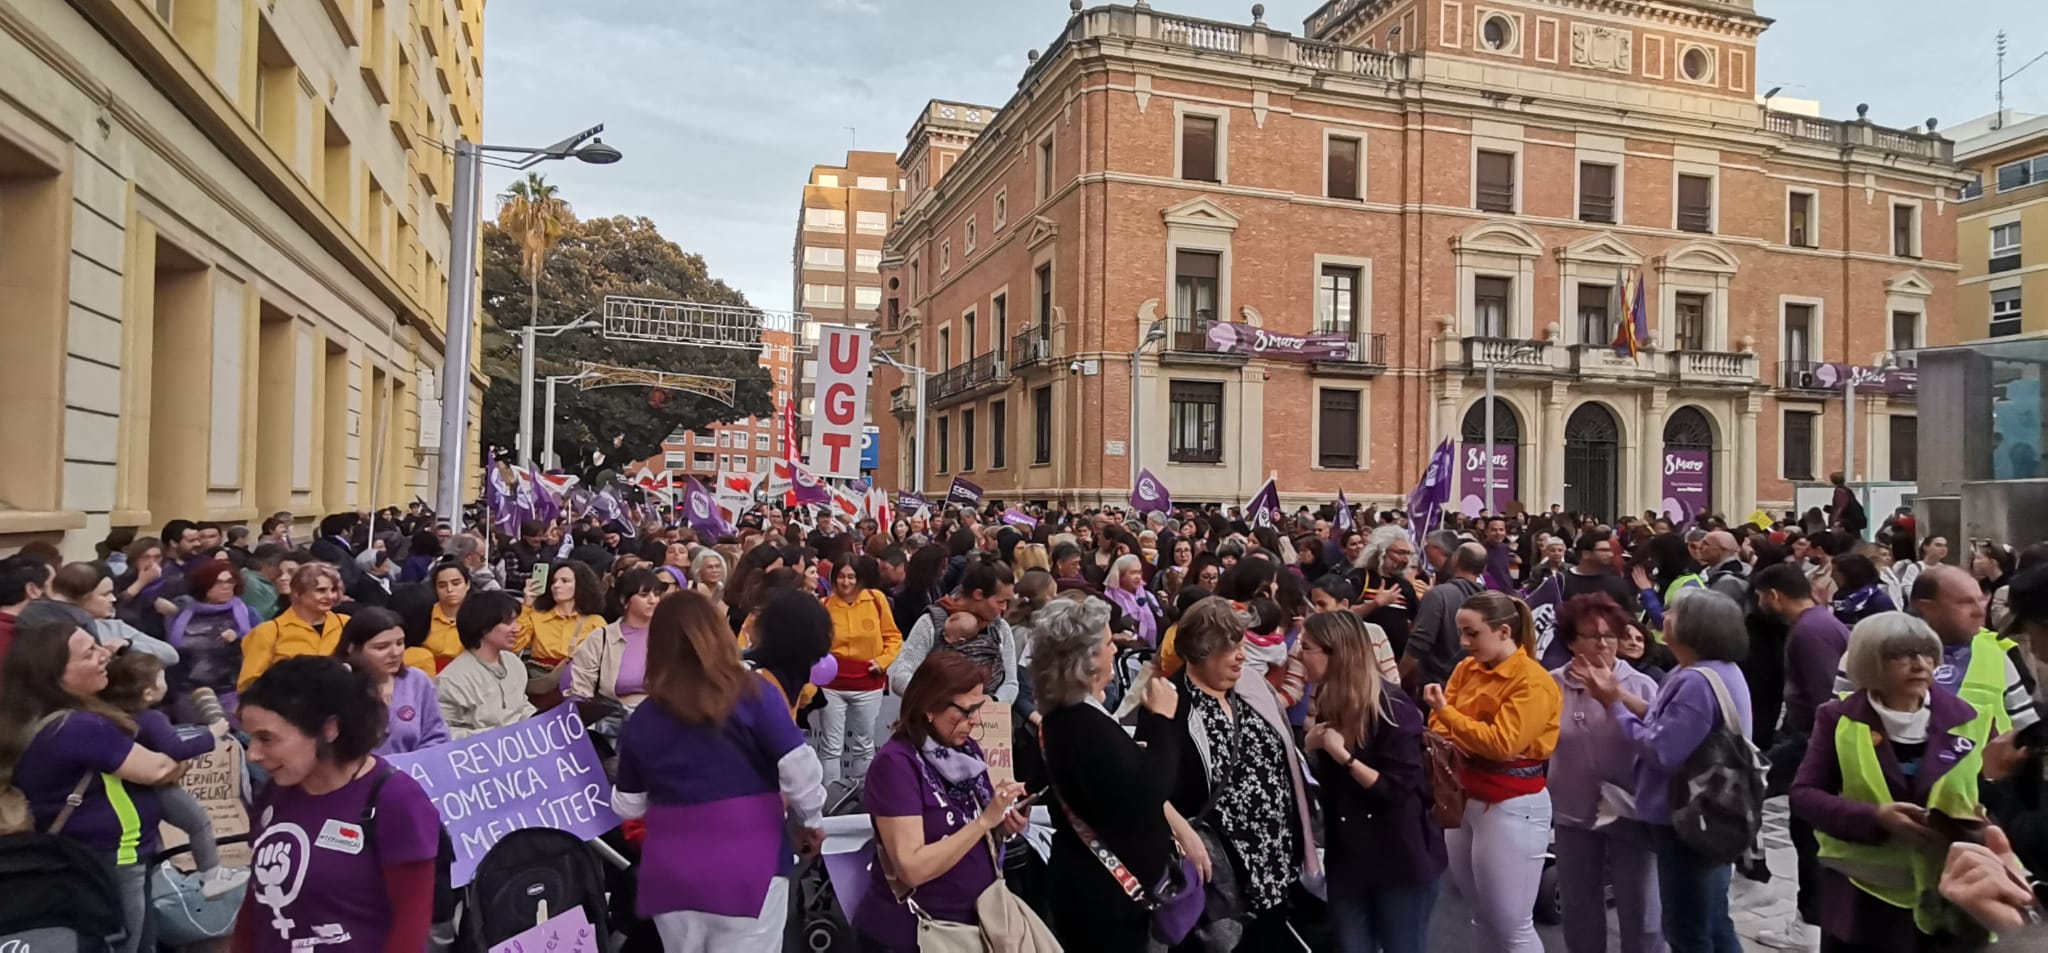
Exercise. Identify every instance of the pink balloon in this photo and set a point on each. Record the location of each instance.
(825, 671)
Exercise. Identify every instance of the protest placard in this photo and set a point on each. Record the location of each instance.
(215, 778)
(998, 742)
(569, 932)
(541, 772)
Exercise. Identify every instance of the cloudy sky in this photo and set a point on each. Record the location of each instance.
(722, 106)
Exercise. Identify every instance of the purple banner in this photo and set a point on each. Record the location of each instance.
(1544, 602)
(1432, 491)
(806, 488)
(1688, 483)
(964, 492)
(1264, 508)
(1230, 338)
(541, 772)
(1880, 380)
(1150, 495)
(1016, 517)
(1472, 477)
(702, 513)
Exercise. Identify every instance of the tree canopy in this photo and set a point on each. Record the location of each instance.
(595, 258)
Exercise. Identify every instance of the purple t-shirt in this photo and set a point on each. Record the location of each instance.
(318, 877)
(715, 833)
(117, 820)
(414, 714)
(898, 785)
(632, 678)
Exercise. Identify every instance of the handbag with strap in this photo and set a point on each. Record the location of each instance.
(1175, 902)
(1446, 792)
(1224, 892)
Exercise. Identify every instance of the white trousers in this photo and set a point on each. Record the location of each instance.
(847, 727)
(691, 931)
(1497, 866)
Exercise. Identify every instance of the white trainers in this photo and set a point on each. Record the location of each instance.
(1795, 935)
(222, 881)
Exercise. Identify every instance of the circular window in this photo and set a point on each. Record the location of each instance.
(1697, 64)
(1498, 32)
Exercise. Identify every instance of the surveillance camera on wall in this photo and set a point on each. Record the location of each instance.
(1073, 367)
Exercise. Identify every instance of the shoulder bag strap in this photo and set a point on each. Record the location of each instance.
(77, 795)
(1121, 874)
(1728, 717)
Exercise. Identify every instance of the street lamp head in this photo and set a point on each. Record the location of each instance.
(597, 153)
(1154, 334)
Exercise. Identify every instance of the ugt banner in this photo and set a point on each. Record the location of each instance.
(541, 772)
(842, 388)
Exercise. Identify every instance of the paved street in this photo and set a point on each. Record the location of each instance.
(1756, 906)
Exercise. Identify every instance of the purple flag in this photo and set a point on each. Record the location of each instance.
(1264, 509)
(806, 488)
(607, 506)
(541, 772)
(964, 492)
(1344, 521)
(702, 511)
(1544, 601)
(1016, 517)
(547, 506)
(1150, 495)
(911, 502)
(1427, 500)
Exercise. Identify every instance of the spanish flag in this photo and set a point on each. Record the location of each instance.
(1632, 332)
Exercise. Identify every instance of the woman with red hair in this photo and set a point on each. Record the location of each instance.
(208, 633)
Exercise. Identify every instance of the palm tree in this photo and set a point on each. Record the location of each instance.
(535, 214)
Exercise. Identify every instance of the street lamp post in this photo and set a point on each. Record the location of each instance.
(1157, 332)
(466, 219)
(547, 439)
(916, 445)
(527, 336)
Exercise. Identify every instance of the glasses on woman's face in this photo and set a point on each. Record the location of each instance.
(967, 711)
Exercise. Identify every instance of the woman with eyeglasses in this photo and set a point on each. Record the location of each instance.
(1881, 763)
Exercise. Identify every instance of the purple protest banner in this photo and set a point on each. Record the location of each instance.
(1427, 500)
(806, 488)
(964, 492)
(1869, 380)
(1150, 495)
(1472, 477)
(1016, 517)
(1688, 483)
(541, 772)
(1227, 338)
(701, 511)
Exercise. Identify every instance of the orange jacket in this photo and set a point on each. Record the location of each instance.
(1510, 712)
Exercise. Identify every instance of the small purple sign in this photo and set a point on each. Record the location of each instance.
(1227, 338)
(541, 772)
(1688, 483)
(1472, 479)
(1879, 380)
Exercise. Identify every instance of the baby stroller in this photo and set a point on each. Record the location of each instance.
(528, 877)
(183, 916)
(59, 897)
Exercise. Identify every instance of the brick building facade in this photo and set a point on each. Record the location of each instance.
(1433, 187)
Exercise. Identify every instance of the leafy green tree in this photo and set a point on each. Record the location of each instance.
(598, 429)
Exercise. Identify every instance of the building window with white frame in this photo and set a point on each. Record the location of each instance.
(870, 223)
(2005, 313)
(2019, 175)
(867, 298)
(1905, 331)
(1041, 425)
(1596, 314)
(1343, 159)
(872, 183)
(828, 180)
(828, 296)
(1494, 182)
(1337, 429)
(1195, 280)
(1337, 299)
(1492, 314)
(1195, 422)
(867, 259)
(1799, 331)
(1906, 230)
(825, 219)
(2005, 247)
(824, 259)
(703, 461)
(1797, 444)
(761, 441)
(1689, 320)
(1597, 195)
(1201, 145)
(1802, 228)
(1695, 203)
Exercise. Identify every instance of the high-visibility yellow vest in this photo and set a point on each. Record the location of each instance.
(1983, 684)
(1902, 876)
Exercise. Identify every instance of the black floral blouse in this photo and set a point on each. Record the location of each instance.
(1253, 811)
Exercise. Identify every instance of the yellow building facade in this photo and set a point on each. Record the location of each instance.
(2002, 227)
(224, 229)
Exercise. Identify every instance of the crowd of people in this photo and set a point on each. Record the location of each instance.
(1268, 735)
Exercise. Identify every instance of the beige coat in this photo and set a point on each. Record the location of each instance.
(594, 669)
(475, 699)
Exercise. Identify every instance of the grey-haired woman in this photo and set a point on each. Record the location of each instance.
(1115, 786)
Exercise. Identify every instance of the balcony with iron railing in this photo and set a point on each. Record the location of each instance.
(1030, 349)
(1366, 354)
(986, 372)
(1187, 341)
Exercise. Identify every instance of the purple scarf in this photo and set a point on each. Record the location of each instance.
(244, 620)
(1142, 607)
(961, 771)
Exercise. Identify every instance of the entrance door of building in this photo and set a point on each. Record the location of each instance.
(1592, 452)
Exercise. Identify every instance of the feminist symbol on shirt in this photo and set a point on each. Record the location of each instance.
(281, 856)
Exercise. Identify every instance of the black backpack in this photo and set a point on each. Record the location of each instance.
(523, 870)
(1717, 799)
(60, 897)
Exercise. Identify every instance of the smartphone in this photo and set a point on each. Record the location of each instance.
(538, 582)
